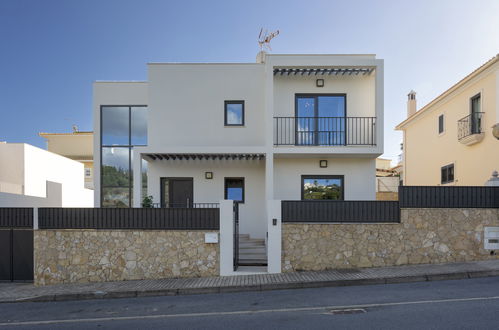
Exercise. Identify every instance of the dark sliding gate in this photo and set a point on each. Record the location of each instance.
(236, 235)
(16, 244)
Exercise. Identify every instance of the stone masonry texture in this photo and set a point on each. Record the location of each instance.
(79, 256)
(424, 236)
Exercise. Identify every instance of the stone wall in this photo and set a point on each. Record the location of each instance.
(423, 236)
(69, 256)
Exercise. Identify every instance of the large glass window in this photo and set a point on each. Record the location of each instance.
(320, 119)
(234, 113)
(234, 189)
(122, 128)
(322, 187)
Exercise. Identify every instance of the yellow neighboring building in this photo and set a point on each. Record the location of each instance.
(76, 146)
(449, 141)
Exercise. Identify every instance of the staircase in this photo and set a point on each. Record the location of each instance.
(252, 251)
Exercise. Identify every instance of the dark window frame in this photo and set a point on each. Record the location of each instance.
(441, 130)
(474, 97)
(319, 176)
(227, 102)
(316, 111)
(244, 187)
(444, 179)
(129, 146)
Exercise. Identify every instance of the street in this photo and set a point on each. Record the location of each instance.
(456, 304)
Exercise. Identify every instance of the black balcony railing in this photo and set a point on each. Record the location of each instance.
(325, 131)
(469, 125)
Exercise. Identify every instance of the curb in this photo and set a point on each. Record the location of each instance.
(260, 287)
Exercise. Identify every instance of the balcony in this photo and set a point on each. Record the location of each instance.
(469, 129)
(324, 131)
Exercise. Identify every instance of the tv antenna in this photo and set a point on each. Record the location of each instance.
(265, 37)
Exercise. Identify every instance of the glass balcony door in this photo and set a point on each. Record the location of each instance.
(320, 119)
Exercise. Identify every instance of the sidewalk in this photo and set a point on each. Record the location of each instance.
(22, 292)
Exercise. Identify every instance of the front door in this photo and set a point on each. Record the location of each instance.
(176, 192)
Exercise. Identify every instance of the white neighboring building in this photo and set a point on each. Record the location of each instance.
(33, 177)
(288, 128)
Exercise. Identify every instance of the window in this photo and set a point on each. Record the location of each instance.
(234, 189)
(476, 119)
(234, 113)
(88, 172)
(122, 128)
(320, 119)
(447, 174)
(440, 124)
(322, 187)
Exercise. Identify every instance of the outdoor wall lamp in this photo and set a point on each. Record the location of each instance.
(323, 163)
(208, 175)
(319, 83)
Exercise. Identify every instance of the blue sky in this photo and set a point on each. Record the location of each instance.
(51, 51)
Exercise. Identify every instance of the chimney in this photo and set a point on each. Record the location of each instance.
(260, 57)
(411, 103)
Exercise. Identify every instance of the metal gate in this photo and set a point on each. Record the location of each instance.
(16, 244)
(16, 255)
(236, 235)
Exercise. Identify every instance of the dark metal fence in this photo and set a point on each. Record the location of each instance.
(324, 131)
(340, 211)
(187, 205)
(16, 217)
(129, 218)
(448, 197)
(471, 124)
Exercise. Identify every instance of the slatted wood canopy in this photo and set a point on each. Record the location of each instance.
(324, 71)
(161, 156)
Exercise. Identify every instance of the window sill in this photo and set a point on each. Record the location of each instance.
(228, 126)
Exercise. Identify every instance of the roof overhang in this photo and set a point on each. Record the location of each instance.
(324, 71)
(226, 156)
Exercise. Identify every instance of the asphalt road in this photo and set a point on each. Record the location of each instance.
(458, 304)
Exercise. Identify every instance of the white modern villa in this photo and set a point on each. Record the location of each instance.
(288, 127)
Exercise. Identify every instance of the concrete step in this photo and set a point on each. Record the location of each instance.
(258, 250)
(252, 241)
(252, 256)
(252, 262)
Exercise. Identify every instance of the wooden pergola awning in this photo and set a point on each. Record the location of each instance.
(161, 156)
(324, 71)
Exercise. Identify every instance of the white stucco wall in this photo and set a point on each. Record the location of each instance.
(186, 104)
(53, 198)
(359, 92)
(359, 176)
(39, 166)
(252, 211)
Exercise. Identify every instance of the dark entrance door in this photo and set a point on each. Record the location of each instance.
(176, 192)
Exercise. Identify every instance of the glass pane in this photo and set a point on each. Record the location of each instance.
(331, 121)
(322, 188)
(475, 104)
(139, 125)
(450, 174)
(115, 167)
(144, 179)
(305, 121)
(234, 189)
(331, 106)
(115, 197)
(234, 113)
(115, 126)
